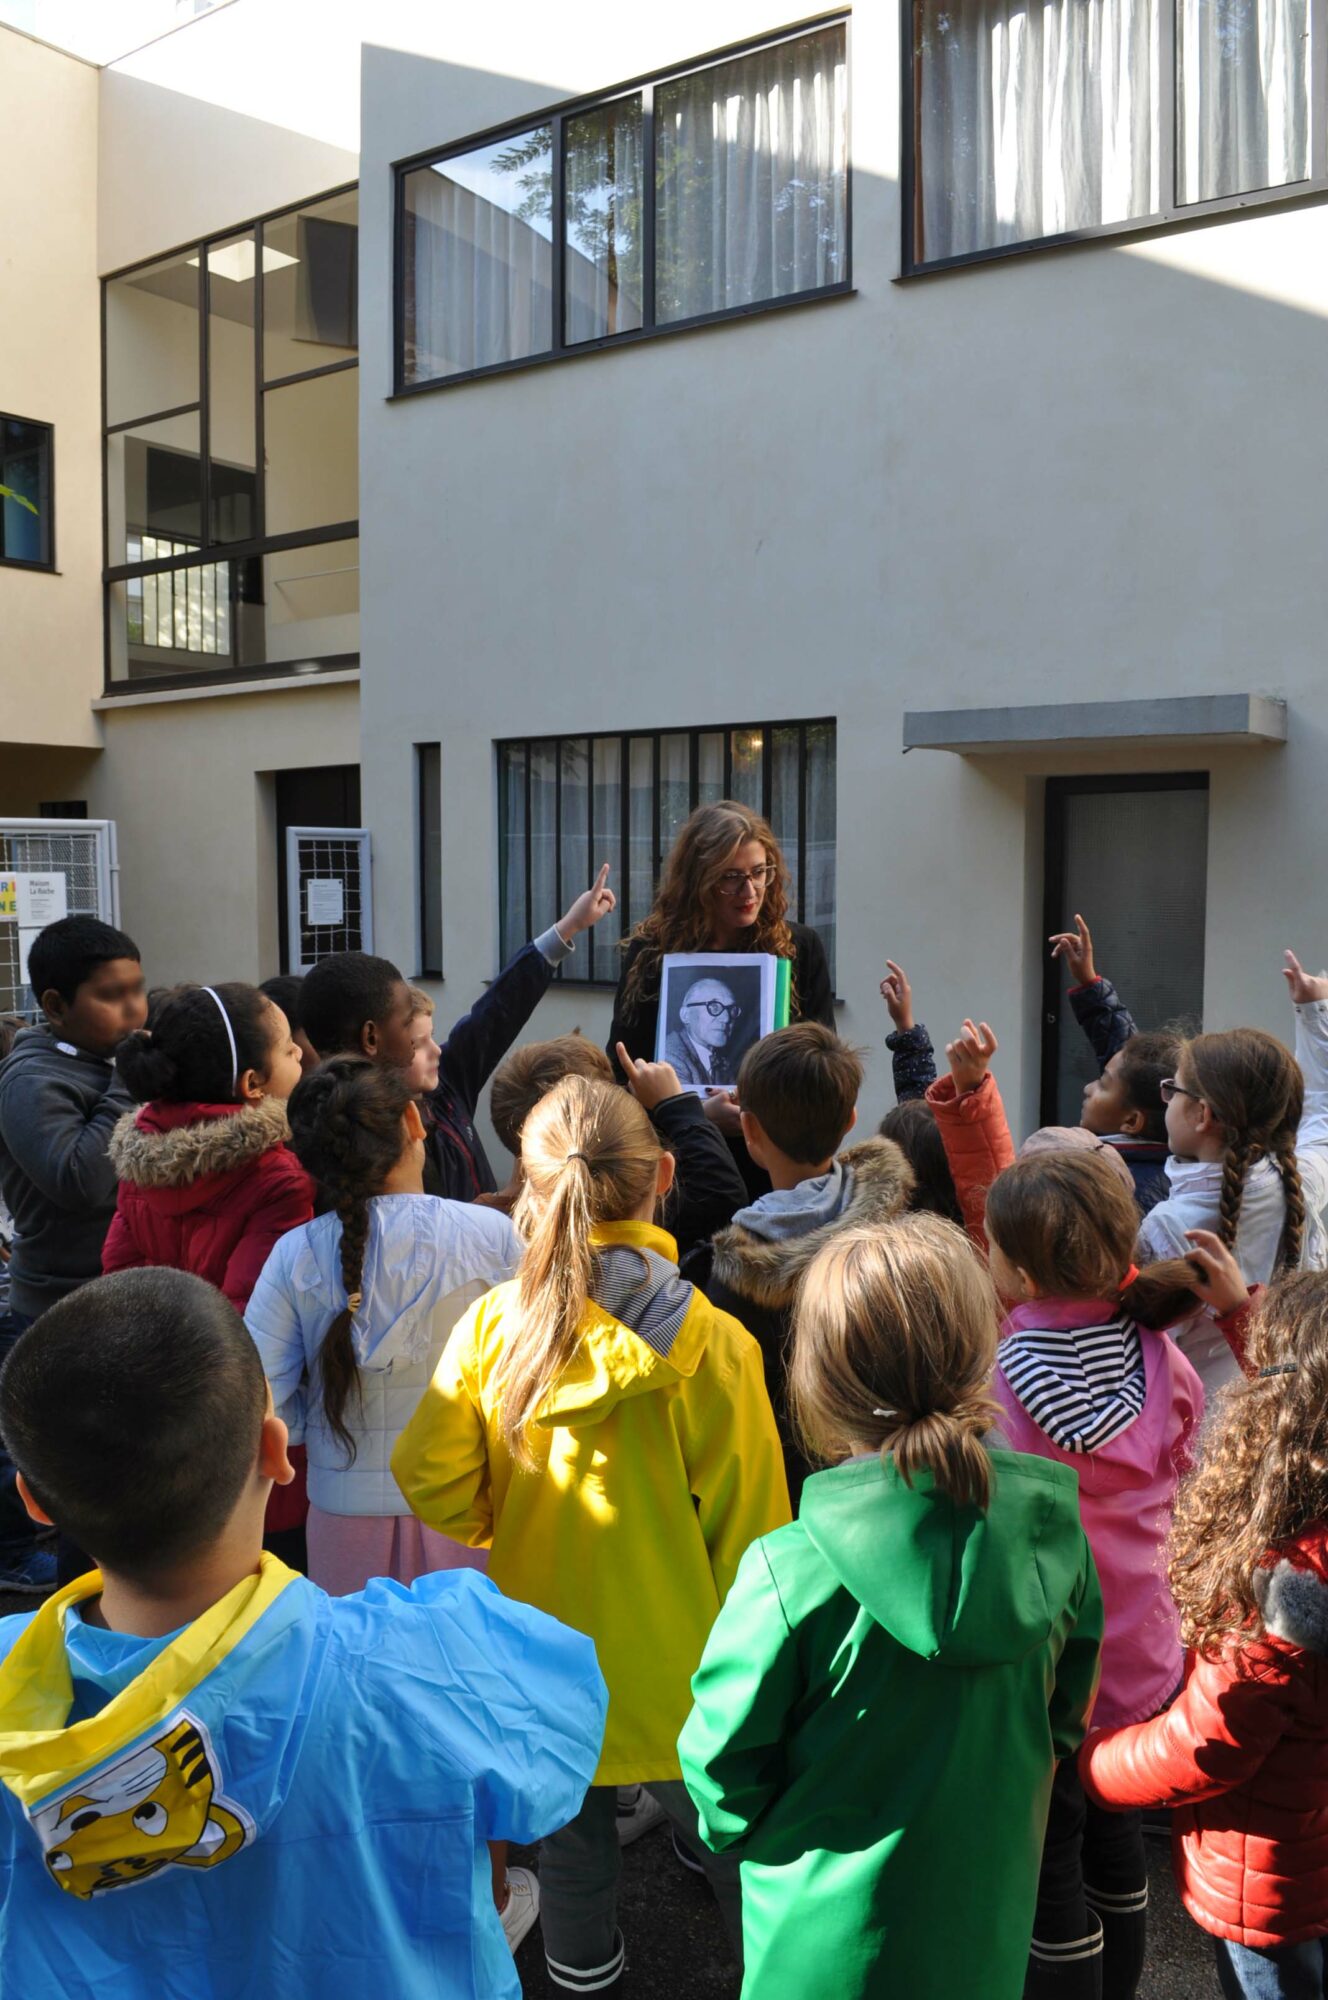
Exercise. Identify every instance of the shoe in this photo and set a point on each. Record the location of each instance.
(687, 1855)
(34, 1576)
(521, 1908)
(638, 1812)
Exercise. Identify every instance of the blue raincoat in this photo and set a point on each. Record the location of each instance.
(290, 1796)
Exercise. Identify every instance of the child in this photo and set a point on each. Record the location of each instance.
(207, 1182)
(1086, 1381)
(283, 989)
(355, 1004)
(521, 1080)
(606, 1434)
(882, 1699)
(799, 1091)
(1242, 1755)
(213, 1778)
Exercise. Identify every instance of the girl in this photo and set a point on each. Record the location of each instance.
(884, 1695)
(1243, 1753)
(1086, 1381)
(207, 1181)
(607, 1435)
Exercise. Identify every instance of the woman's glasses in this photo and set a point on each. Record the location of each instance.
(714, 1008)
(732, 880)
(1169, 1088)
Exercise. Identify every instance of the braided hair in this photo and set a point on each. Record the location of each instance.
(345, 1123)
(1255, 1091)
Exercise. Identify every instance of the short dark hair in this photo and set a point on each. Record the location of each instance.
(1145, 1060)
(69, 951)
(133, 1408)
(528, 1074)
(340, 994)
(912, 1125)
(802, 1085)
(185, 1056)
(283, 989)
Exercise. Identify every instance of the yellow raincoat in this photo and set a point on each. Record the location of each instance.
(654, 1474)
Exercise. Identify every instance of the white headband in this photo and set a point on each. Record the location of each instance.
(230, 1037)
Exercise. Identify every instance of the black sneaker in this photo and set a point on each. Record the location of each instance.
(687, 1854)
(34, 1576)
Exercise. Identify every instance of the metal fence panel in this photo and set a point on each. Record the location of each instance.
(329, 893)
(80, 850)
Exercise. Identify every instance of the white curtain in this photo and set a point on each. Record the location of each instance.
(751, 178)
(605, 186)
(478, 275)
(1243, 81)
(1033, 119)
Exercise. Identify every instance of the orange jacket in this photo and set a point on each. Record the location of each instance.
(978, 1146)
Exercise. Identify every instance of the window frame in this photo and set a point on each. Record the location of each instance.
(1171, 214)
(46, 488)
(621, 884)
(556, 116)
(212, 553)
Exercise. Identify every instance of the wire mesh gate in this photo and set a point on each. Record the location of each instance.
(50, 868)
(329, 893)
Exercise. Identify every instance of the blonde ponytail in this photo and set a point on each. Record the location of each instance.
(589, 1155)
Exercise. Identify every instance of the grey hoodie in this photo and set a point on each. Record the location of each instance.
(58, 1108)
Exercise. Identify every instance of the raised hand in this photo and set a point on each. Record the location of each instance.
(969, 1056)
(1076, 948)
(721, 1108)
(898, 996)
(1218, 1280)
(589, 907)
(649, 1082)
(1304, 986)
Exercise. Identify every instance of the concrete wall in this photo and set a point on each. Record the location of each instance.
(50, 371)
(1076, 475)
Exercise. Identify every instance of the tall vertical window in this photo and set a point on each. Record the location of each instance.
(566, 804)
(231, 452)
(429, 805)
(1034, 123)
(27, 530)
(698, 194)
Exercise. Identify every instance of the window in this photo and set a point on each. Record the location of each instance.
(670, 204)
(429, 805)
(27, 531)
(568, 803)
(231, 453)
(1036, 124)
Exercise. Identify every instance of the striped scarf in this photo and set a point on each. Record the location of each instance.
(1082, 1385)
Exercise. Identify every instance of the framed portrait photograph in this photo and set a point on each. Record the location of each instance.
(712, 1007)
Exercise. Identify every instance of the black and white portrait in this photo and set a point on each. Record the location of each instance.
(710, 1015)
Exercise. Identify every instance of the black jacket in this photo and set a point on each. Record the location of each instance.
(58, 1107)
(635, 1024)
(707, 1190)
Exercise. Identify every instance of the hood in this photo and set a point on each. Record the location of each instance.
(948, 1582)
(38, 1048)
(1077, 1370)
(178, 1153)
(1129, 1460)
(765, 1250)
(1292, 1591)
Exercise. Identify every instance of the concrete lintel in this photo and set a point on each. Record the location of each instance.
(1225, 719)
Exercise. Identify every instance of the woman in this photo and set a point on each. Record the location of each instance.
(724, 888)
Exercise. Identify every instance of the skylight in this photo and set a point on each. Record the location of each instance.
(102, 31)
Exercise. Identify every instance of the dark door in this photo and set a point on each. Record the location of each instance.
(322, 795)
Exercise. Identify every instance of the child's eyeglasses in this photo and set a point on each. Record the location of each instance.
(731, 882)
(1169, 1088)
(714, 1008)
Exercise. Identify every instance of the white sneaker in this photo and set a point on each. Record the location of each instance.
(637, 1813)
(521, 1908)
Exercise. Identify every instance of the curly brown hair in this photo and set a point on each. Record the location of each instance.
(681, 917)
(1263, 1477)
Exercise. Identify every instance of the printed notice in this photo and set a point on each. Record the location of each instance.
(42, 900)
(326, 901)
(8, 897)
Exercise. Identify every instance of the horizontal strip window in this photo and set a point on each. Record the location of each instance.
(567, 804)
(695, 197)
(27, 494)
(1085, 118)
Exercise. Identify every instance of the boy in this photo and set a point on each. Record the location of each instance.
(213, 1777)
(798, 1090)
(355, 1004)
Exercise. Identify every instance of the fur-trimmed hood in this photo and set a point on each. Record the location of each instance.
(1292, 1592)
(878, 1181)
(188, 1148)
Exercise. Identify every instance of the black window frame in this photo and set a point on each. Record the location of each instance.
(621, 878)
(46, 495)
(1172, 214)
(208, 553)
(556, 115)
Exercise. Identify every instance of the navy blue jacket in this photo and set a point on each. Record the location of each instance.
(1109, 1024)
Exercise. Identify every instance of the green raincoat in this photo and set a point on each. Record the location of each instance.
(878, 1713)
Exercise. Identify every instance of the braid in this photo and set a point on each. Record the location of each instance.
(1293, 1229)
(1236, 1163)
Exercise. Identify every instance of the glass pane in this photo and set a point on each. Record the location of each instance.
(1032, 120)
(675, 790)
(752, 178)
(231, 288)
(478, 258)
(710, 768)
(641, 818)
(512, 856)
(311, 440)
(604, 180)
(299, 607)
(429, 777)
(310, 287)
(608, 847)
(154, 486)
(819, 905)
(1243, 77)
(152, 339)
(784, 793)
(576, 870)
(747, 749)
(25, 468)
(544, 905)
(178, 621)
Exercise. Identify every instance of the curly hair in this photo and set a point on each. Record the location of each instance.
(1255, 1091)
(345, 1121)
(1263, 1477)
(681, 917)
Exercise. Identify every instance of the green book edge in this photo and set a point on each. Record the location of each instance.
(783, 982)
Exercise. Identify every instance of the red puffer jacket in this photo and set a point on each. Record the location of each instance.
(206, 1188)
(1243, 1756)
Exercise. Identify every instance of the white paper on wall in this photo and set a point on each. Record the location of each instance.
(325, 900)
(42, 900)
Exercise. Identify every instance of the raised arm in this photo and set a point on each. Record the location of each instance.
(708, 1190)
(972, 1123)
(1098, 1008)
(913, 1059)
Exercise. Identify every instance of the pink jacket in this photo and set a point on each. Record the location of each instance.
(1126, 1489)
